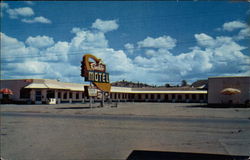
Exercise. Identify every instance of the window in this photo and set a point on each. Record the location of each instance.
(152, 96)
(173, 96)
(59, 95)
(65, 95)
(193, 96)
(50, 94)
(70, 95)
(77, 95)
(179, 97)
(158, 96)
(166, 96)
(139, 96)
(146, 96)
(132, 96)
(187, 96)
(201, 96)
(24, 93)
(82, 94)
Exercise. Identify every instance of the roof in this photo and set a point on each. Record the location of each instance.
(54, 84)
(155, 91)
(200, 83)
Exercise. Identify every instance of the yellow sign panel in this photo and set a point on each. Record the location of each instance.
(95, 72)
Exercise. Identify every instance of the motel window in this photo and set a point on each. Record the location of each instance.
(70, 95)
(166, 96)
(146, 96)
(152, 96)
(24, 93)
(77, 95)
(139, 96)
(59, 94)
(50, 94)
(173, 96)
(65, 95)
(201, 96)
(186, 96)
(179, 97)
(193, 96)
(82, 94)
(158, 96)
(132, 96)
(119, 96)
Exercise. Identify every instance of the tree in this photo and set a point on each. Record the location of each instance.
(183, 83)
(167, 85)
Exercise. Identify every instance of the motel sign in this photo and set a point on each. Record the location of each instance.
(95, 72)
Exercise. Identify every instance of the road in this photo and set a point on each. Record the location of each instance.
(43, 136)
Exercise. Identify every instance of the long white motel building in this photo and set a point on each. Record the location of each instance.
(47, 90)
(53, 91)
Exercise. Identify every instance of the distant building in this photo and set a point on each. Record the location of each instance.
(53, 91)
(201, 84)
(216, 85)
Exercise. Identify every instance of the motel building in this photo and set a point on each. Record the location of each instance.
(47, 91)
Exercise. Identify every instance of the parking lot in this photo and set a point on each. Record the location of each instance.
(75, 131)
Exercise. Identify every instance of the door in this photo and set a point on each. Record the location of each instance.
(38, 97)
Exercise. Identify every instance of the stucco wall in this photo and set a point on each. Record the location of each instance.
(15, 86)
(217, 84)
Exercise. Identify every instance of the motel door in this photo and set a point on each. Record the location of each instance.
(38, 97)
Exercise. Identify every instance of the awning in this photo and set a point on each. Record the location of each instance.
(230, 91)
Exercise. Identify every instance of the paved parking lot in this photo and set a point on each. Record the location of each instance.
(78, 132)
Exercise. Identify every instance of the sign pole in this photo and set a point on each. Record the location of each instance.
(102, 99)
(90, 98)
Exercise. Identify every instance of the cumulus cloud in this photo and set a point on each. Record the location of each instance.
(23, 12)
(129, 47)
(160, 42)
(39, 19)
(40, 41)
(230, 26)
(29, 2)
(105, 26)
(211, 56)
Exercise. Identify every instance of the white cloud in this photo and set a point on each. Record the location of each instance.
(29, 2)
(23, 12)
(160, 42)
(105, 26)
(11, 47)
(39, 19)
(212, 56)
(57, 52)
(204, 40)
(129, 47)
(244, 33)
(230, 26)
(40, 41)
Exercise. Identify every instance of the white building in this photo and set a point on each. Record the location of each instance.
(46, 90)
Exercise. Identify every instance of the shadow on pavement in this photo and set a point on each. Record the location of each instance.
(159, 155)
(217, 106)
(73, 108)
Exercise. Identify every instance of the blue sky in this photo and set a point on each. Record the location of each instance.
(153, 42)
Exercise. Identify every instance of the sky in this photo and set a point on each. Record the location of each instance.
(154, 42)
